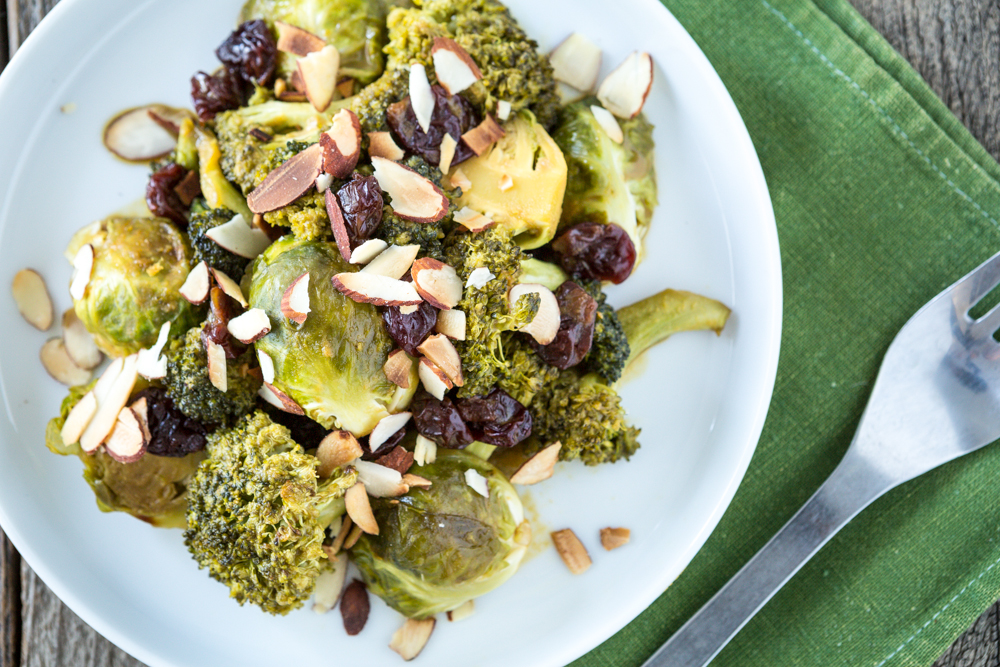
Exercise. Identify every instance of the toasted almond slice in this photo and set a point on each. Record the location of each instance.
(408, 310)
(576, 61)
(134, 136)
(410, 639)
(353, 537)
(293, 39)
(196, 285)
(319, 74)
(451, 323)
(435, 381)
(381, 144)
(539, 467)
(464, 610)
(437, 283)
(295, 300)
(60, 365)
(460, 180)
(279, 399)
(386, 428)
(373, 288)
(250, 327)
(338, 224)
(473, 220)
(448, 146)
(412, 480)
(78, 419)
(608, 123)
(323, 182)
(424, 452)
(477, 482)
(503, 110)
(83, 266)
(571, 550)
(127, 441)
(421, 97)
(454, 67)
(141, 410)
(545, 325)
(266, 366)
(168, 118)
(112, 395)
(612, 538)
(394, 262)
(288, 182)
(624, 91)
(329, 584)
(479, 278)
(341, 144)
(439, 350)
(217, 365)
(32, 298)
(413, 197)
(345, 529)
(335, 450)
(360, 509)
(368, 251)
(484, 135)
(150, 364)
(379, 481)
(229, 286)
(240, 238)
(397, 368)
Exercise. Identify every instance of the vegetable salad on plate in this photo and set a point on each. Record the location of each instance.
(366, 304)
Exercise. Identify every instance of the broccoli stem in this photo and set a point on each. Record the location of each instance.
(660, 316)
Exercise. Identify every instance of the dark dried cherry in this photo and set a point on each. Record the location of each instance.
(453, 114)
(171, 432)
(216, 329)
(361, 203)
(250, 52)
(496, 419)
(409, 331)
(592, 251)
(440, 421)
(576, 327)
(304, 430)
(396, 458)
(162, 199)
(215, 93)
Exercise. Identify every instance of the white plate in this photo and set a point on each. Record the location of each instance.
(701, 400)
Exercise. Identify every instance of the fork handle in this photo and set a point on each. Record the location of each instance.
(849, 489)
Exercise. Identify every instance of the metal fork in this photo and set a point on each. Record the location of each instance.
(936, 397)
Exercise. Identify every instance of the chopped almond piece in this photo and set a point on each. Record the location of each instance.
(451, 323)
(448, 146)
(196, 286)
(412, 480)
(293, 39)
(360, 509)
(503, 110)
(539, 467)
(397, 368)
(435, 381)
(381, 144)
(341, 538)
(342, 144)
(32, 298)
(477, 482)
(571, 550)
(60, 365)
(353, 537)
(293, 96)
(335, 450)
(484, 135)
(295, 299)
(217, 365)
(380, 481)
(79, 342)
(386, 428)
(440, 350)
(464, 610)
(410, 639)
(506, 183)
(424, 452)
(473, 220)
(454, 67)
(288, 182)
(612, 538)
(230, 287)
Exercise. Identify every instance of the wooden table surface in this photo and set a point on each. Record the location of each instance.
(954, 44)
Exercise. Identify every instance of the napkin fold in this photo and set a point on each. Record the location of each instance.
(882, 199)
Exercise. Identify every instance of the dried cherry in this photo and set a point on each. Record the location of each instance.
(162, 199)
(592, 251)
(440, 421)
(171, 432)
(361, 203)
(453, 114)
(496, 419)
(576, 327)
(396, 458)
(409, 331)
(304, 430)
(216, 329)
(250, 52)
(214, 93)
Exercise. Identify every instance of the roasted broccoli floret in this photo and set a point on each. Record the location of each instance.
(207, 250)
(257, 515)
(524, 373)
(306, 217)
(191, 390)
(396, 231)
(609, 350)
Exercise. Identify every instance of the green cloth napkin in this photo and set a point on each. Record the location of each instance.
(882, 199)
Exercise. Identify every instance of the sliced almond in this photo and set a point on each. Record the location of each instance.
(484, 135)
(416, 481)
(293, 95)
(460, 180)
(539, 467)
(454, 67)
(83, 267)
(545, 325)
(112, 392)
(608, 123)
(464, 610)
(394, 262)
(217, 365)
(410, 639)
(479, 278)
(250, 327)
(421, 97)
(338, 224)
(168, 118)
(576, 61)
(451, 323)
(397, 368)
(32, 298)
(266, 366)
(624, 91)
(78, 419)
(473, 220)
(437, 283)
(141, 410)
(79, 342)
(477, 482)
(373, 288)
(612, 538)
(60, 365)
(323, 182)
(367, 251)
(435, 381)
(345, 530)
(279, 399)
(295, 300)
(353, 537)
(360, 509)
(329, 585)
(151, 365)
(335, 450)
(288, 182)
(341, 144)
(133, 135)
(354, 607)
(386, 428)
(413, 197)
(571, 550)
(424, 452)
(319, 71)
(196, 285)
(408, 310)
(229, 286)
(448, 146)
(127, 441)
(240, 238)
(293, 39)
(503, 110)
(439, 350)
(379, 481)
(381, 144)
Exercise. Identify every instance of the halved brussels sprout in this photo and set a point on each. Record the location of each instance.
(441, 546)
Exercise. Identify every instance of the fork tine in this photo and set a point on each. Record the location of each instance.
(987, 324)
(977, 284)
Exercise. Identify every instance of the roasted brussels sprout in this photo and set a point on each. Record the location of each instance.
(331, 365)
(443, 545)
(139, 266)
